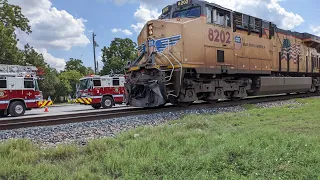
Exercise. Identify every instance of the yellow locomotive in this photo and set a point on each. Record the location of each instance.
(198, 50)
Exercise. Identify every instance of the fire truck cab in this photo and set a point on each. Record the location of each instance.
(101, 91)
(19, 90)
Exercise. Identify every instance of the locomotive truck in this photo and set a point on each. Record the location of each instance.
(19, 90)
(101, 91)
(198, 50)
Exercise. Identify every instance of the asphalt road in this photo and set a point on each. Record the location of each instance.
(63, 109)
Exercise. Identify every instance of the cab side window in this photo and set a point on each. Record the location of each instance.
(115, 82)
(3, 83)
(96, 82)
(218, 16)
(28, 83)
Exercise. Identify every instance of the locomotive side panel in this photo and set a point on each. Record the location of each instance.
(166, 37)
(193, 54)
(168, 41)
(254, 53)
(218, 43)
(290, 51)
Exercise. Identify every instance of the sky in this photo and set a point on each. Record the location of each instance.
(62, 29)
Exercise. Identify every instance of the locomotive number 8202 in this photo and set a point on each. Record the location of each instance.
(219, 36)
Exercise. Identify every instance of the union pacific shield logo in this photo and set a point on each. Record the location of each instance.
(237, 42)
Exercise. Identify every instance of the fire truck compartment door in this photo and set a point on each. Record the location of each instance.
(11, 85)
(12, 82)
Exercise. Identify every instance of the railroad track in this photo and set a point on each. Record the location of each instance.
(103, 115)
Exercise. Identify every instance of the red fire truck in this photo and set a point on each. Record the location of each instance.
(101, 91)
(19, 90)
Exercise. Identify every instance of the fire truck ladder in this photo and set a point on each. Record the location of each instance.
(18, 70)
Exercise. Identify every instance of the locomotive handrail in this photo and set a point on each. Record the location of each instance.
(137, 59)
(166, 58)
(176, 61)
(170, 63)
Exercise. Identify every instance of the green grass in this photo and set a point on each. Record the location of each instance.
(275, 143)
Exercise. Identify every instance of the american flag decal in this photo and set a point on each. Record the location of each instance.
(292, 49)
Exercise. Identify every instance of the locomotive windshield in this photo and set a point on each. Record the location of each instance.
(188, 13)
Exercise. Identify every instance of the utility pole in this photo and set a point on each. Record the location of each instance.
(94, 53)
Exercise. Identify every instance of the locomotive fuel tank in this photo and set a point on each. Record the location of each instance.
(279, 85)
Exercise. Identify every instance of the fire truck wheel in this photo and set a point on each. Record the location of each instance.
(17, 108)
(107, 102)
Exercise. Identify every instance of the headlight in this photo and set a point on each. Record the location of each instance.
(150, 30)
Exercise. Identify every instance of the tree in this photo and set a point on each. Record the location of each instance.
(50, 84)
(77, 64)
(32, 57)
(11, 16)
(11, 19)
(71, 77)
(117, 55)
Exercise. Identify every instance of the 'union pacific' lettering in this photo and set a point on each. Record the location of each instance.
(254, 45)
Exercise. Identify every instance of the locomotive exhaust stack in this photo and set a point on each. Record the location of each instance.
(198, 50)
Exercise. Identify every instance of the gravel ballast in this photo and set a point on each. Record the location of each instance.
(80, 132)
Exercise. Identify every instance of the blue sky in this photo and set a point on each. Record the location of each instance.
(103, 18)
(62, 29)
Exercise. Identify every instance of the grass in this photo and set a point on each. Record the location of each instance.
(275, 143)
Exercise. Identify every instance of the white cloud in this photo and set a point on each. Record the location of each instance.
(315, 30)
(269, 10)
(99, 59)
(57, 63)
(124, 31)
(142, 15)
(51, 28)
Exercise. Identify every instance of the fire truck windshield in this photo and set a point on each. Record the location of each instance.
(85, 84)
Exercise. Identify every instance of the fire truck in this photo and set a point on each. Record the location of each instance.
(19, 90)
(101, 91)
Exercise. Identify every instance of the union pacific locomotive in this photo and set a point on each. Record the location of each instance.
(198, 50)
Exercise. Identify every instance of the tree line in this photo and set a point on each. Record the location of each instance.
(53, 83)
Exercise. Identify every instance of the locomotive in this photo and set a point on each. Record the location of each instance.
(198, 50)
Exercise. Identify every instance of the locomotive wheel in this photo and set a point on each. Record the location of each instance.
(211, 101)
(17, 108)
(96, 106)
(184, 104)
(236, 98)
(107, 102)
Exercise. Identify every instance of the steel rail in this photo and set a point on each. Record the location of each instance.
(104, 115)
